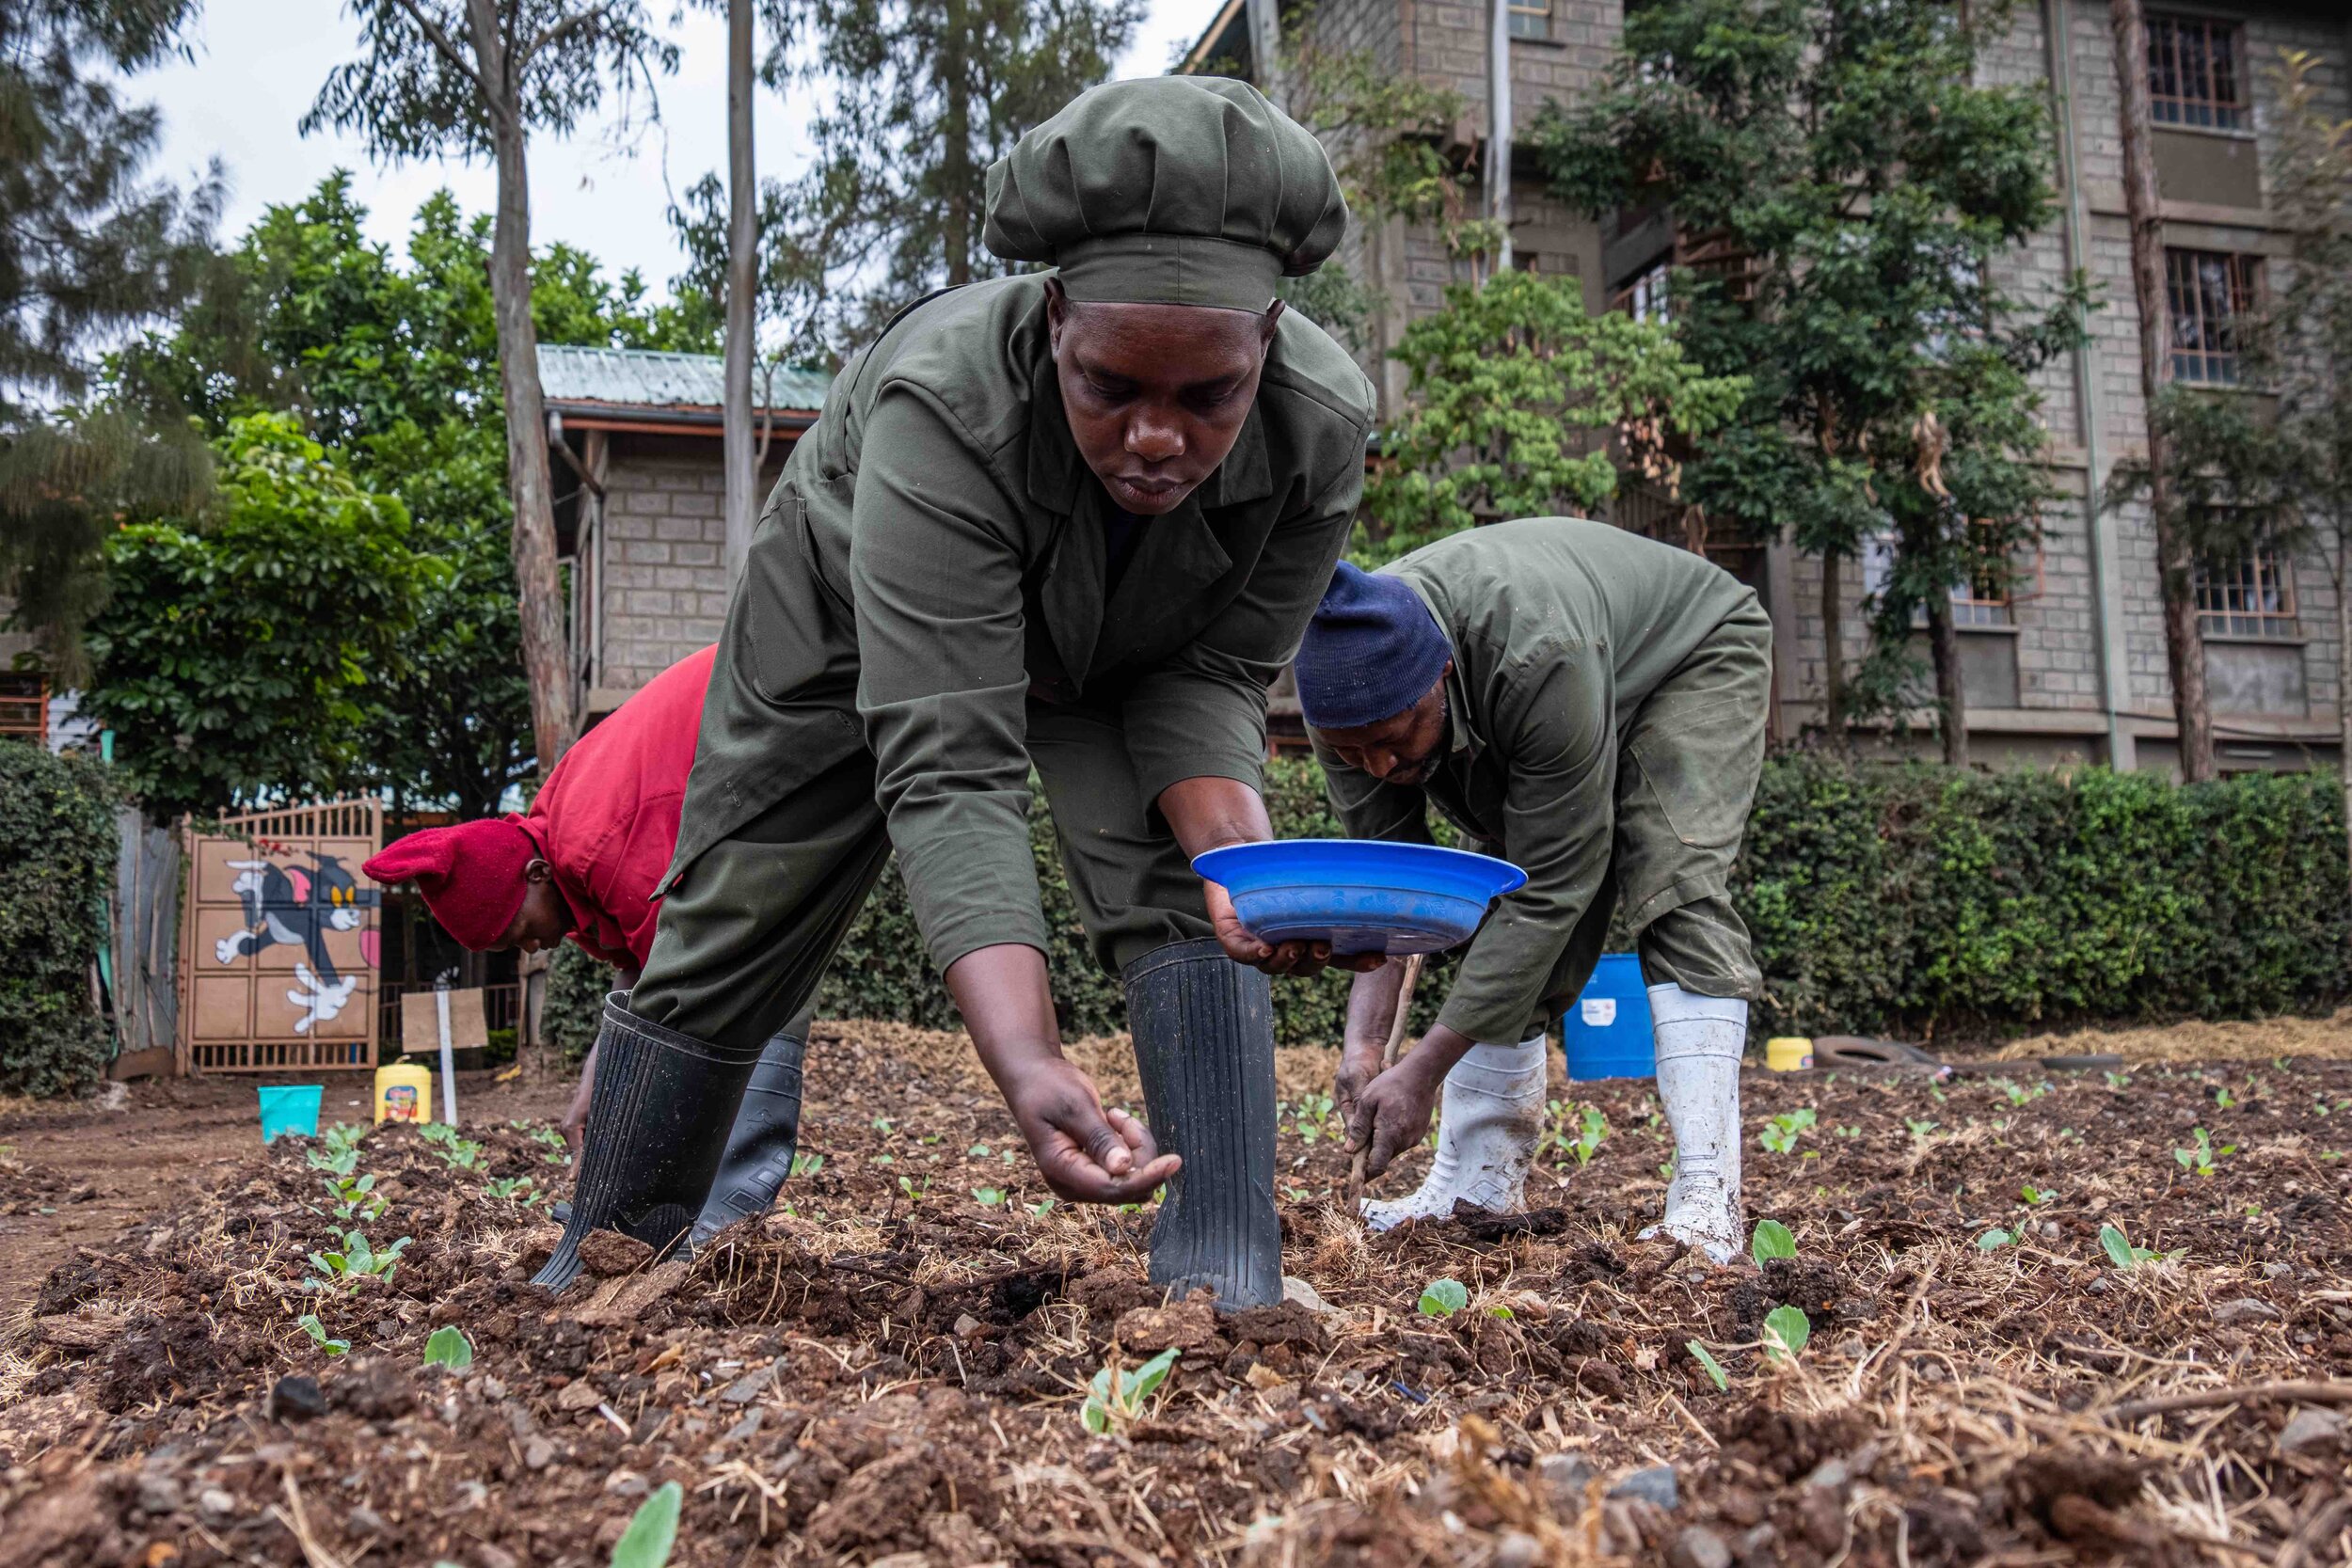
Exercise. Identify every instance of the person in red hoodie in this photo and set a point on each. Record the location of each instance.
(582, 864)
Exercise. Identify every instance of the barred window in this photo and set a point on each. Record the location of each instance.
(1531, 19)
(2247, 593)
(2193, 73)
(2211, 293)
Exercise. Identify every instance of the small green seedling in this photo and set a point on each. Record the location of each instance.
(355, 1198)
(1592, 1132)
(456, 1153)
(1040, 1209)
(1120, 1398)
(356, 1262)
(446, 1346)
(1920, 1127)
(1310, 1118)
(2123, 1255)
(807, 1165)
(1443, 1298)
(978, 1151)
(652, 1530)
(1787, 1329)
(309, 1322)
(550, 1136)
(1850, 1132)
(2035, 1196)
(1714, 1368)
(1781, 1137)
(1993, 1241)
(883, 1124)
(2223, 1099)
(2199, 1156)
(2119, 1080)
(511, 1189)
(988, 1197)
(1772, 1240)
(339, 1149)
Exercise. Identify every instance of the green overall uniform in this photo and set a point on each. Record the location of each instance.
(1605, 730)
(927, 612)
(939, 597)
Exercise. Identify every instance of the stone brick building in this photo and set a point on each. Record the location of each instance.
(640, 499)
(2072, 666)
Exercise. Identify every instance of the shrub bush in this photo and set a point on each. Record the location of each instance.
(1913, 899)
(57, 844)
(1899, 898)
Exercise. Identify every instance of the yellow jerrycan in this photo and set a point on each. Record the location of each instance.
(404, 1092)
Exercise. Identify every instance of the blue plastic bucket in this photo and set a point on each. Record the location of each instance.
(1607, 1033)
(290, 1108)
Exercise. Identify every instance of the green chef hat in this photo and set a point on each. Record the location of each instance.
(1171, 190)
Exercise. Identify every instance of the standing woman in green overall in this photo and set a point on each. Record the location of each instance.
(1073, 521)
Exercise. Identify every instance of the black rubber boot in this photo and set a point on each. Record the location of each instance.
(1203, 1029)
(760, 1148)
(656, 1125)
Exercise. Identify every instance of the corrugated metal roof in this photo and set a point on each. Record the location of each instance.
(645, 378)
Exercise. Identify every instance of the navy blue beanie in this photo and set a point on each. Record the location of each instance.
(1372, 650)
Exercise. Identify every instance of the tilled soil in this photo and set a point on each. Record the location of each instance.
(892, 1368)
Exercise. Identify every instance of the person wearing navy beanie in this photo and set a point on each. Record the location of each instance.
(1589, 705)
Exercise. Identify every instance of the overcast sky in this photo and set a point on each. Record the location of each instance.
(259, 63)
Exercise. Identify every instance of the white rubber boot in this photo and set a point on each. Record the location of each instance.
(1489, 1122)
(1700, 1041)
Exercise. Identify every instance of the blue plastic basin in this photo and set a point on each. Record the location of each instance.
(1358, 894)
(1607, 1034)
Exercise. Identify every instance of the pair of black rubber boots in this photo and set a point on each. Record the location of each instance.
(655, 1168)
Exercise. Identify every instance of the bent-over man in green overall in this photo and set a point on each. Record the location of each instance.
(1590, 704)
(1074, 521)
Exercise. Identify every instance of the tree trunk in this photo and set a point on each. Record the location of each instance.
(547, 660)
(740, 457)
(2344, 678)
(2184, 638)
(1833, 648)
(955, 153)
(1950, 689)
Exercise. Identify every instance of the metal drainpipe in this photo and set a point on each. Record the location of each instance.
(2105, 581)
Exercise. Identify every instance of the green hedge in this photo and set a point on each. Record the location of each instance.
(1919, 901)
(57, 847)
(1904, 899)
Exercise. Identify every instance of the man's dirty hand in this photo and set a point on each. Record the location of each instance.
(1279, 958)
(1391, 1113)
(1086, 1154)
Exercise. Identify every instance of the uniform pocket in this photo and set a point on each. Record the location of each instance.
(1697, 764)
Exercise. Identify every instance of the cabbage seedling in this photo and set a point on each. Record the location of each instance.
(1781, 1137)
(652, 1530)
(1714, 1368)
(1443, 1298)
(1772, 1240)
(2123, 1255)
(1787, 1330)
(309, 1322)
(1118, 1398)
(446, 1346)
(356, 1262)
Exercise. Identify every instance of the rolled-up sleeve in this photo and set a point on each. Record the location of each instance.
(936, 579)
(1558, 729)
(1200, 713)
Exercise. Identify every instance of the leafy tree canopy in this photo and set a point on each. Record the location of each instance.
(395, 369)
(1503, 381)
(1862, 187)
(235, 661)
